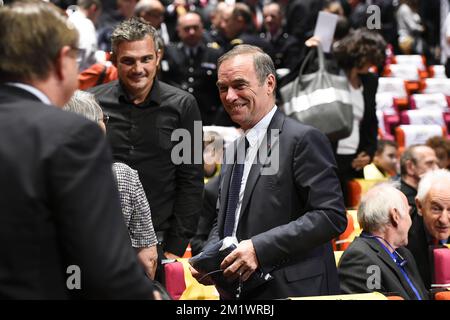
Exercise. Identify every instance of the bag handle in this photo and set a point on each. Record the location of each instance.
(309, 57)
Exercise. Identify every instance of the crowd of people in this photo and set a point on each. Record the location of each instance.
(115, 180)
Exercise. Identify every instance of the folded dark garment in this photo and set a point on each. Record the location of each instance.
(209, 260)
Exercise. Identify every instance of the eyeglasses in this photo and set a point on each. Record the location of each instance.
(105, 118)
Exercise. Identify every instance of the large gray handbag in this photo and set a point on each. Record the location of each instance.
(320, 99)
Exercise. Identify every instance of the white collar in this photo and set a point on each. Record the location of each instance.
(256, 134)
(36, 92)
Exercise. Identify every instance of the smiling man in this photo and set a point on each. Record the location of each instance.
(284, 221)
(432, 225)
(143, 113)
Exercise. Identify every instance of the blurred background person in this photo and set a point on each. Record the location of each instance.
(84, 17)
(153, 11)
(441, 146)
(410, 28)
(239, 29)
(384, 163)
(415, 161)
(191, 65)
(286, 48)
(356, 54)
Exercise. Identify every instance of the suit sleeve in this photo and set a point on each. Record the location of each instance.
(92, 233)
(323, 212)
(189, 185)
(355, 275)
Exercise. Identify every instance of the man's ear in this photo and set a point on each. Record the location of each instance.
(114, 59)
(410, 167)
(394, 215)
(62, 61)
(271, 82)
(158, 57)
(419, 206)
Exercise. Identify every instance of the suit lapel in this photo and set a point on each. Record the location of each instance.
(263, 158)
(383, 255)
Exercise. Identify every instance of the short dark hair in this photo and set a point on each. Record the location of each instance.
(381, 145)
(86, 4)
(408, 155)
(439, 142)
(243, 10)
(133, 29)
(32, 33)
(360, 47)
(262, 62)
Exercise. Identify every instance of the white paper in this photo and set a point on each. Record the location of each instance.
(324, 31)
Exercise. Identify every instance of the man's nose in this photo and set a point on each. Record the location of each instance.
(231, 95)
(444, 218)
(138, 67)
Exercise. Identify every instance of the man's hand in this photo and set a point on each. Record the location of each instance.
(241, 262)
(170, 255)
(360, 161)
(148, 258)
(200, 277)
(312, 42)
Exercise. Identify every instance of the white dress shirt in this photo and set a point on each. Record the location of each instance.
(255, 136)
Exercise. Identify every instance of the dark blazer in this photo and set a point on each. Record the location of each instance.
(291, 215)
(207, 216)
(196, 75)
(355, 273)
(60, 207)
(419, 241)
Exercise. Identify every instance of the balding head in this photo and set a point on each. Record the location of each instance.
(190, 29)
(150, 10)
(415, 162)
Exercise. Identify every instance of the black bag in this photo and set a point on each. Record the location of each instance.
(209, 260)
(320, 99)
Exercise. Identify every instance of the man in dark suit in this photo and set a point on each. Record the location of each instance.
(286, 48)
(377, 260)
(431, 227)
(191, 65)
(285, 207)
(62, 233)
(238, 29)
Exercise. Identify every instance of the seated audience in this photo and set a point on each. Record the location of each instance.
(384, 163)
(135, 207)
(415, 161)
(432, 225)
(377, 260)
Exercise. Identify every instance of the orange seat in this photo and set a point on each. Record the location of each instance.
(443, 295)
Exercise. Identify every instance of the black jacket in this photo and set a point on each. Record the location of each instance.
(196, 75)
(60, 207)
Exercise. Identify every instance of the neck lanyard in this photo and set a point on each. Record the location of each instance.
(395, 257)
